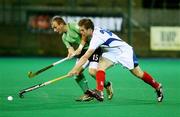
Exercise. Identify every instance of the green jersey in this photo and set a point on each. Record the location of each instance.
(72, 36)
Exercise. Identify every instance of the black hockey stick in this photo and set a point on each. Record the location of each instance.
(31, 74)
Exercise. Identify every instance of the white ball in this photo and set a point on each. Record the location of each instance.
(10, 98)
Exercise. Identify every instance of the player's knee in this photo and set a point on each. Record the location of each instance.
(139, 74)
(79, 77)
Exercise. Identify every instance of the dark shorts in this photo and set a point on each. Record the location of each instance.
(135, 60)
(94, 57)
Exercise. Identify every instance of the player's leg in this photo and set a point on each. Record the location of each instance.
(107, 84)
(80, 79)
(83, 84)
(93, 71)
(107, 60)
(147, 78)
(104, 64)
(128, 59)
(93, 66)
(100, 78)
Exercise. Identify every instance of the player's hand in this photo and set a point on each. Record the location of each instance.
(71, 52)
(73, 72)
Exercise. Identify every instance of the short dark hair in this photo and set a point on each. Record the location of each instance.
(87, 23)
(58, 19)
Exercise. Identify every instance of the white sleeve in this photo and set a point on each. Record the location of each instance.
(95, 42)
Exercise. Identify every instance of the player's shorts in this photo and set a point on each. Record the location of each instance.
(93, 59)
(124, 56)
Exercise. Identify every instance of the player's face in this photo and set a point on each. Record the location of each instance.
(85, 32)
(57, 27)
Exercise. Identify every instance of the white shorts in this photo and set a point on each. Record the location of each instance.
(93, 64)
(123, 56)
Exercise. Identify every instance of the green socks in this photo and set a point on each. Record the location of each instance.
(82, 82)
(106, 83)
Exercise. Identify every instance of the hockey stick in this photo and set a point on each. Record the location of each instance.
(31, 74)
(40, 85)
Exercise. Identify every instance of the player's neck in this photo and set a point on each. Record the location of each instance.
(65, 28)
(92, 32)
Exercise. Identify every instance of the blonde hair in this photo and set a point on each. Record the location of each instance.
(58, 19)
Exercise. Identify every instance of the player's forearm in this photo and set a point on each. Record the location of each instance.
(81, 46)
(70, 48)
(80, 63)
(70, 51)
(83, 42)
(66, 43)
(83, 59)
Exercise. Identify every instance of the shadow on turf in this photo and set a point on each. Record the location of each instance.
(65, 102)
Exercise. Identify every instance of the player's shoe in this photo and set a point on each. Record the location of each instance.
(96, 94)
(85, 97)
(159, 93)
(109, 90)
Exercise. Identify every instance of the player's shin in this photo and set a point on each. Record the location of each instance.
(82, 82)
(100, 78)
(149, 80)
